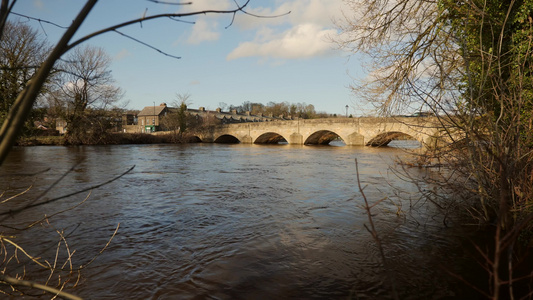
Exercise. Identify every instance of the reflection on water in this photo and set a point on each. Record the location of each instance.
(337, 143)
(405, 144)
(235, 222)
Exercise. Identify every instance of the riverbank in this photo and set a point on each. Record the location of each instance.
(111, 139)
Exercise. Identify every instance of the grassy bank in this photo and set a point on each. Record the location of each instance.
(110, 139)
(40, 140)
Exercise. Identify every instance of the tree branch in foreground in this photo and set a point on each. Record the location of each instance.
(18, 210)
(18, 282)
(372, 230)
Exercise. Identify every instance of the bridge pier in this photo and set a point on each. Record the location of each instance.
(355, 139)
(246, 139)
(296, 139)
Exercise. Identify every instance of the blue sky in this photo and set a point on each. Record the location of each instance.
(288, 58)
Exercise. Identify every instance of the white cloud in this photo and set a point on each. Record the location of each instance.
(301, 11)
(38, 3)
(203, 30)
(301, 34)
(206, 27)
(122, 54)
(301, 41)
(201, 5)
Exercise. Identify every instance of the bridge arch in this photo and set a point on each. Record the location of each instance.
(227, 139)
(321, 137)
(270, 138)
(383, 139)
(194, 139)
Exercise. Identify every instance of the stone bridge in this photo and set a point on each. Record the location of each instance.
(353, 131)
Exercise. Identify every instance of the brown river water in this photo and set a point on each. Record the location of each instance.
(213, 221)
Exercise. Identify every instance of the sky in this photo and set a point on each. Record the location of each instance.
(222, 60)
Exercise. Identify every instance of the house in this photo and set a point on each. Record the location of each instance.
(149, 117)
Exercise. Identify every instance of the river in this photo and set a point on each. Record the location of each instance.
(213, 221)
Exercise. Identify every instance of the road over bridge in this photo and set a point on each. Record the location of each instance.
(353, 131)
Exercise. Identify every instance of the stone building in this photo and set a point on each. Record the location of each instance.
(149, 118)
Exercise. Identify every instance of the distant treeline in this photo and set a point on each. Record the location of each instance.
(300, 110)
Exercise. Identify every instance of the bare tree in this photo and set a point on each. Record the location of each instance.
(85, 93)
(223, 106)
(182, 101)
(471, 63)
(21, 53)
(178, 120)
(415, 59)
(87, 79)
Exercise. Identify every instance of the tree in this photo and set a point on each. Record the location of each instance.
(276, 109)
(293, 109)
(86, 93)
(178, 119)
(222, 105)
(305, 111)
(181, 114)
(471, 63)
(411, 49)
(21, 53)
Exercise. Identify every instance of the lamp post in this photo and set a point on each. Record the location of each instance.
(346, 111)
(153, 120)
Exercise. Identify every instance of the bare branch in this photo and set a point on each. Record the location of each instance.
(253, 15)
(48, 217)
(17, 195)
(39, 20)
(372, 230)
(146, 44)
(182, 21)
(49, 188)
(101, 250)
(18, 210)
(158, 16)
(170, 3)
(13, 281)
(5, 10)
(25, 174)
